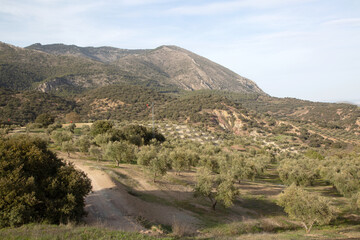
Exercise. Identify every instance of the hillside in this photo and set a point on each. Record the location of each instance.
(23, 69)
(216, 111)
(169, 65)
(117, 84)
(23, 107)
(101, 54)
(188, 70)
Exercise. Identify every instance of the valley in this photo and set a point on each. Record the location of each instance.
(175, 146)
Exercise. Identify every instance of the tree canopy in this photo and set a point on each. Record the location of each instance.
(37, 186)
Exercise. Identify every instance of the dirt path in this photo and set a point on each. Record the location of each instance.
(105, 205)
(111, 205)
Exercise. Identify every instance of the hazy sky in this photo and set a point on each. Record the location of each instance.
(307, 49)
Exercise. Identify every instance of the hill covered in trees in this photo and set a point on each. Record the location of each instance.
(120, 84)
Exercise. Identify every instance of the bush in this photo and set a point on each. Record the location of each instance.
(45, 119)
(37, 186)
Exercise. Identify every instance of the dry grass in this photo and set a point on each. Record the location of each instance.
(181, 229)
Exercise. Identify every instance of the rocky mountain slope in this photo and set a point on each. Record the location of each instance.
(168, 65)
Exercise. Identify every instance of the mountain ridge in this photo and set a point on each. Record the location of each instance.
(167, 64)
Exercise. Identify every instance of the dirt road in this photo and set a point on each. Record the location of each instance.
(105, 205)
(110, 205)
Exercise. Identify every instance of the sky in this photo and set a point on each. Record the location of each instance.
(307, 49)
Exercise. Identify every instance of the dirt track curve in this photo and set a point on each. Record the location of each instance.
(110, 205)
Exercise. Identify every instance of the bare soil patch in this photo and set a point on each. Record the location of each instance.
(111, 205)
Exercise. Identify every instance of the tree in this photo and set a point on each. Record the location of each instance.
(154, 160)
(68, 147)
(309, 208)
(36, 186)
(83, 143)
(216, 187)
(53, 127)
(102, 140)
(120, 152)
(61, 136)
(157, 167)
(45, 119)
(101, 127)
(96, 152)
(355, 201)
(343, 174)
(302, 171)
(140, 135)
(71, 127)
(180, 160)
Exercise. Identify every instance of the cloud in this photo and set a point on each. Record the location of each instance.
(344, 21)
(142, 2)
(221, 7)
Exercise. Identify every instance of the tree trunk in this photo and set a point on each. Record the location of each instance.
(214, 205)
(307, 228)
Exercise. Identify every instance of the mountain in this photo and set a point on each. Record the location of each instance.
(189, 71)
(101, 54)
(117, 84)
(166, 65)
(26, 69)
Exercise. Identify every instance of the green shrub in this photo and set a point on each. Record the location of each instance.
(37, 186)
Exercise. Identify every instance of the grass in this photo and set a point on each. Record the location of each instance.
(268, 225)
(45, 231)
(278, 228)
(261, 205)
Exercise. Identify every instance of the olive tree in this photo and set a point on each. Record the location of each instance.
(68, 147)
(355, 201)
(180, 160)
(120, 152)
(343, 174)
(83, 143)
(154, 160)
(307, 207)
(215, 187)
(96, 152)
(61, 136)
(302, 171)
